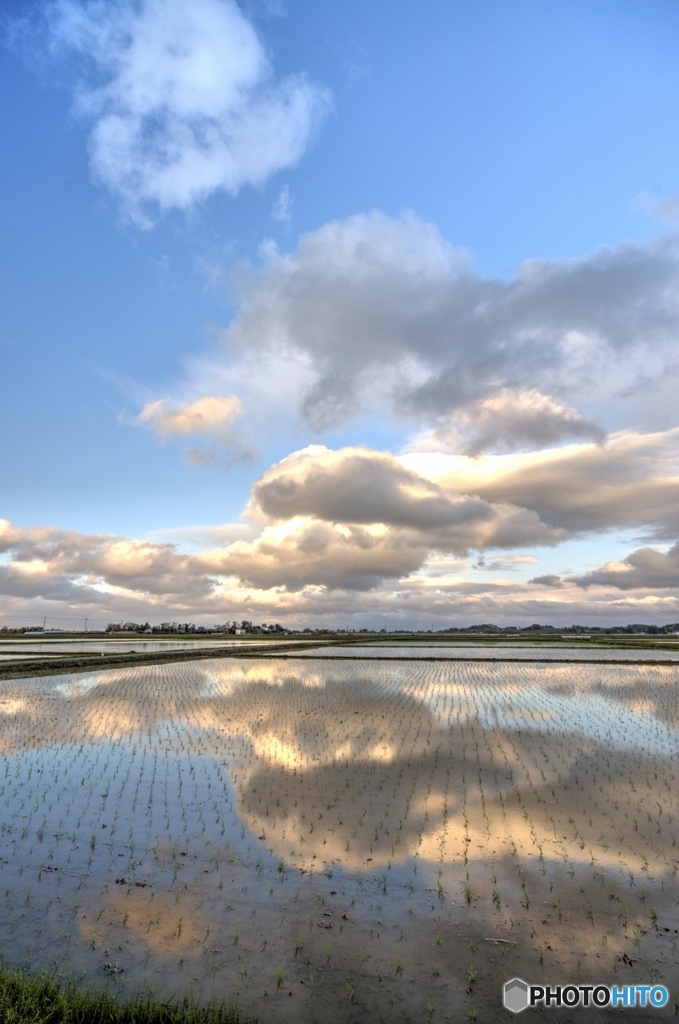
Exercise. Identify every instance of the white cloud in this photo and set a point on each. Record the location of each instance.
(318, 519)
(283, 206)
(353, 517)
(358, 485)
(72, 567)
(183, 99)
(300, 571)
(643, 569)
(387, 315)
(550, 579)
(210, 417)
(324, 529)
(632, 481)
(381, 316)
(509, 419)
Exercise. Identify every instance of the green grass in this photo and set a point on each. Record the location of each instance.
(39, 999)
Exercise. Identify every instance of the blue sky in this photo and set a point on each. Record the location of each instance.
(342, 257)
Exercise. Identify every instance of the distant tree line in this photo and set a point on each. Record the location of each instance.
(244, 626)
(634, 627)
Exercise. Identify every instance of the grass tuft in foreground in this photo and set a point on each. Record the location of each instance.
(39, 999)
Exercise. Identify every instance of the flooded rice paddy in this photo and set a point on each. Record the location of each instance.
(496, 651)
(19, 648)
(350, 841)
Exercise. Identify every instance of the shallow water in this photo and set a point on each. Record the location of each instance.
(102, 645)
(494, 651)
(335, 841)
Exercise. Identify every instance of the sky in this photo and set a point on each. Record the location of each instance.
(341, 315)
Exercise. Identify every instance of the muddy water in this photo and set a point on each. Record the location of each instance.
(334, 842)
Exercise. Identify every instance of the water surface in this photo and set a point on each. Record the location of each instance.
(334, 841)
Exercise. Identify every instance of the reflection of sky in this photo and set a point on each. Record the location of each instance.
(215, 686)
(494, 651)
(239, 674)
(78, 685)
(514, 703)
(104, 646)
(549, 699)
(589, 714)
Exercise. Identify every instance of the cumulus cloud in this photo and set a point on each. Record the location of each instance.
(386, 313)
(305, 551)
(356, 532)
(506, 602)
(182, 98)
(210, 417)
(324, 519)
(359, 485)
(353, 517)
(631, 481)
(45, 571)
(643, 569)
(70, 566)
(509, 419)
(548, 580)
